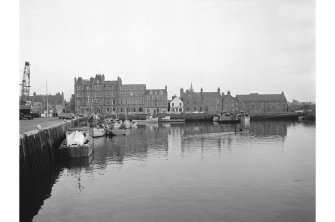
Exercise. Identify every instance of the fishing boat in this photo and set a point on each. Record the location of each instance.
(168, 119)
(149, 119)
(77, 144)
(226, 118)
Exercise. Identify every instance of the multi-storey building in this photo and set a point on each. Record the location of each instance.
(96, 95)
(156, 101)
(209, 102)
(132, 97)
(264, 103)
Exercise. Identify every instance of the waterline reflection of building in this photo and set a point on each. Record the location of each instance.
(175, 136)
(269, 128)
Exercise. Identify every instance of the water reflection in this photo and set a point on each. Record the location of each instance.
(270, 128)
(155, 142)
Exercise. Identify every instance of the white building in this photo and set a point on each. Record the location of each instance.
(176, 105)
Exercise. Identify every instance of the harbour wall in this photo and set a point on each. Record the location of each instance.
(38, 151)
(192, 117)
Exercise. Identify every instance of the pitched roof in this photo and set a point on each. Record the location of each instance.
(176, 98)
(255, 97)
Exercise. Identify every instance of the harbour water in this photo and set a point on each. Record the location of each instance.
(187, 172)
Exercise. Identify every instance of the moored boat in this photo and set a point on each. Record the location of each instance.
(127, 124)
(119, 132)
(226, 118)
(77, 144)
(98, 131)
(149, 119)
(168, 119)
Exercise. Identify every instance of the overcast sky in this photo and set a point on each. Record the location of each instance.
(264, 46)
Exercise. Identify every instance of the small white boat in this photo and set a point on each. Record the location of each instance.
(119, 132)
(149, 119)
(98, 131)
(168, 119)
(117, 124)
(77, 144)
(127, 124)
(133, 124)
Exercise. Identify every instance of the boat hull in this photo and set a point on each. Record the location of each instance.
(84, 150)
(97, 132)
(172, 120)
(117, 132)
(227, 121)
(141, 122)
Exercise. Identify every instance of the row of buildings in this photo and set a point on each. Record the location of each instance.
(110, 96)
(50, 105)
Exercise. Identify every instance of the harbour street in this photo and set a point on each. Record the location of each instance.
(29, 125)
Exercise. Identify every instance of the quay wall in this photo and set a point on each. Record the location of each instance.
(38, 151)
(191, 117)
(275, 116)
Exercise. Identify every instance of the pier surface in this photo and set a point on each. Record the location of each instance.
(29, 125)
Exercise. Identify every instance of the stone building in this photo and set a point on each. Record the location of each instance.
(56, 102)
(209, 102)
(264, 103)
(156, 101)
(132, 98)
(231, 104)
(103, 96)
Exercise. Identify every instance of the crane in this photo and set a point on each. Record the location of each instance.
(25, 85)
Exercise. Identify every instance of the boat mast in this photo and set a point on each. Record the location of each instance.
(46, 90)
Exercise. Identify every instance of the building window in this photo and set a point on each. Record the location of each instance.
(107, 109)
(113, 109)
(179, 104)
(172, 104)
